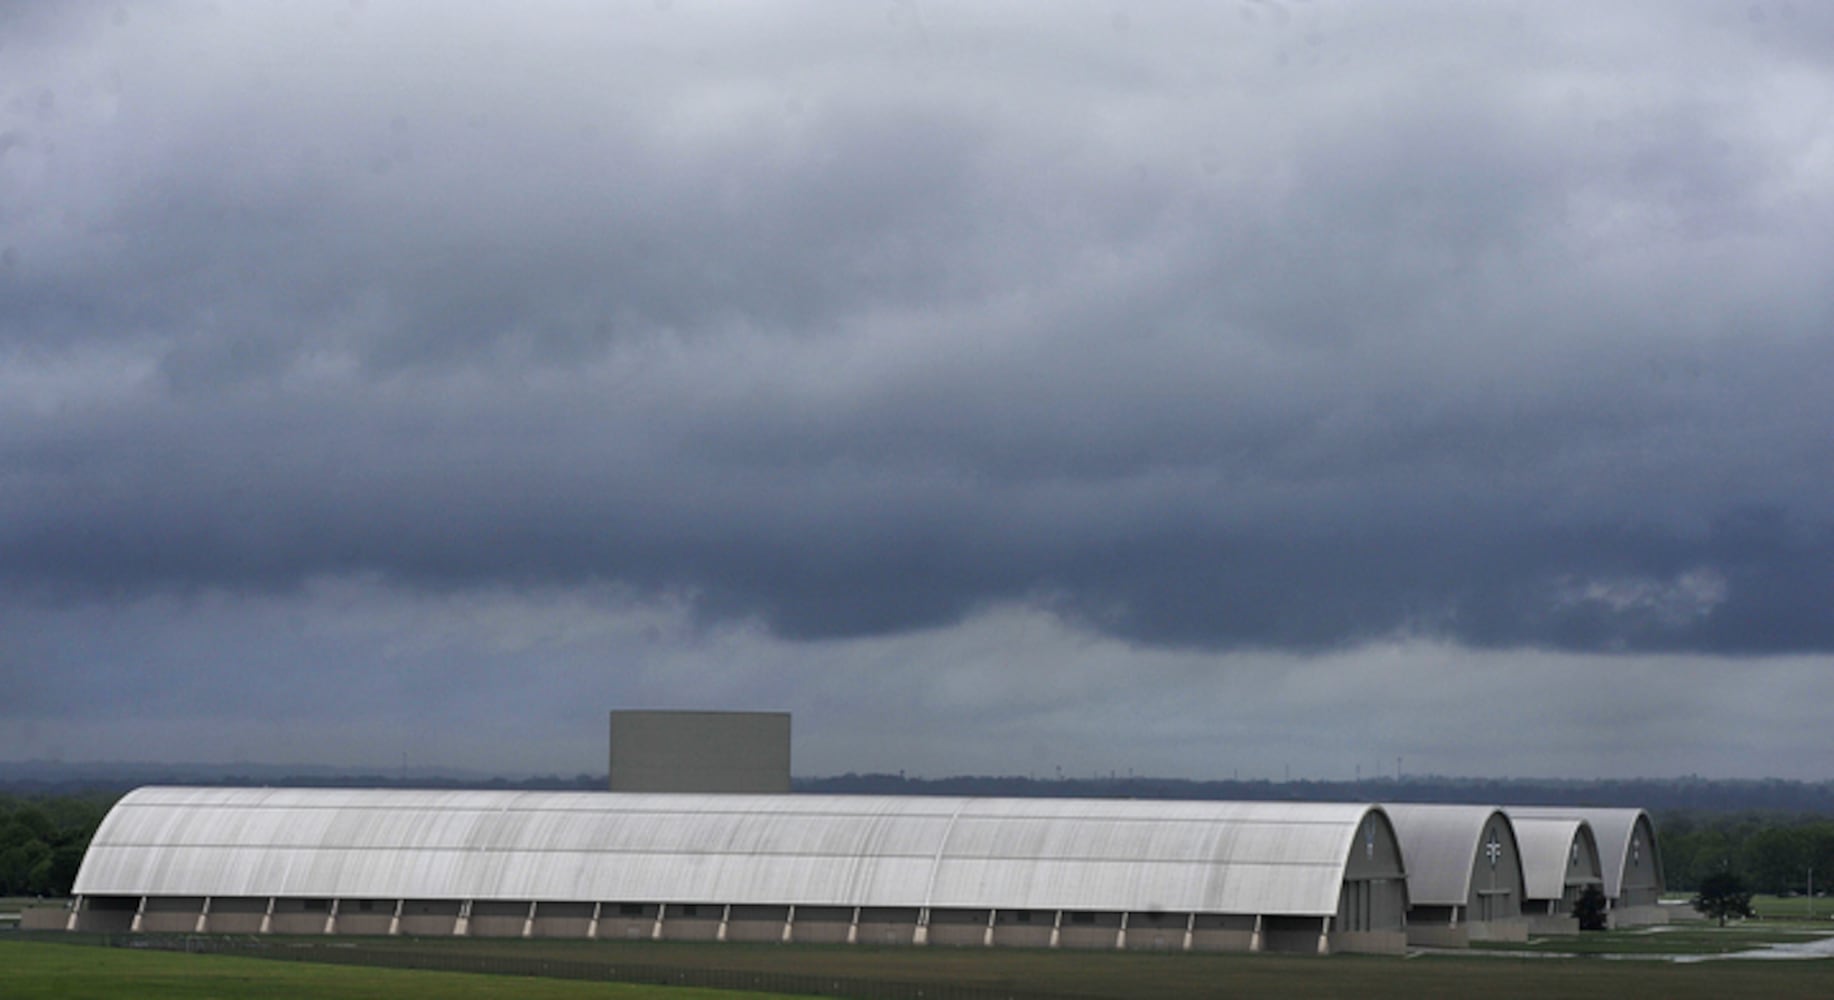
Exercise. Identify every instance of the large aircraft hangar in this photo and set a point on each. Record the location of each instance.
(1630, 860)
(1464, 874)
(1559, 859)
(1064, 873)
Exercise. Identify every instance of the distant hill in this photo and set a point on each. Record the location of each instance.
(1656, 794)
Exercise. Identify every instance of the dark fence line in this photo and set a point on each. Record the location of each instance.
(378, 956)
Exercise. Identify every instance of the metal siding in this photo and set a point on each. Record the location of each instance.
(743, 849)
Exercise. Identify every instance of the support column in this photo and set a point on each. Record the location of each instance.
(592, 926)
(662, 910)
(725, 918)
(987, 935)
(76, 908)
(528, 923)
(922, 935)
(394, 921)
(1324, 936)
(203, 919)
(331, 919)
(139, 917)
(267, 917)
(1255, 941)
(1120, 936)
(853, 929)
(1190, 930)
(1057, 930)
(789, 925)
(462, 926)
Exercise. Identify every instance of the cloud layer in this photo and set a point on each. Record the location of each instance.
(1278, 328)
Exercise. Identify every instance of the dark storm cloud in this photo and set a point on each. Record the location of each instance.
(1210, 330)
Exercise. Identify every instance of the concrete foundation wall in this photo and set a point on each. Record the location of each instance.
(700, 927)
(172, 915)
(429, 926)
(107, 914)
(1499, 930)
(429, 917)
(360, 917)
(1547, 924)
(1155, 939)
(236, 914)
(627, 921)
(961, 928)
(1370, 942)
(1446, 935)
(1438, 935)
(44, 918)
(498, 919)
(947, 927)
(1089, 930)
(107, 922)
(234, 923)
(625, 929)
(821, 931)
(887, 926)
(1292, 934)
(757, 923)
(563, 920)
(363, 924)
(1017, 935)
(1637, 916)
(1222, 940)
(562, 927)
(298, 923)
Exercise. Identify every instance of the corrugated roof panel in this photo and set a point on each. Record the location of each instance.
(1547, 845)
(811, 850)
(1439, 845)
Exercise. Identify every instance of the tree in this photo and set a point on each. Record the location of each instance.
(1722, 895)
(1776, 858)
(1589, 908)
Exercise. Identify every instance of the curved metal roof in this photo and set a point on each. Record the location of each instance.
(1439, 844)
(1547, 844)
(1074, 854)
(1618, 835)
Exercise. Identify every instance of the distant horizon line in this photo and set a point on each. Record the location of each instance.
(451, 772)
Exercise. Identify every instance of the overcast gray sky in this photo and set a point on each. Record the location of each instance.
(1191, 389)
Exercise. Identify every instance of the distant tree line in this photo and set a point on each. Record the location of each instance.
(1770, 852)
(1658, 795)
(42, 840)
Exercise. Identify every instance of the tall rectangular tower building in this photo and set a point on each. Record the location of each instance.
(671, 751)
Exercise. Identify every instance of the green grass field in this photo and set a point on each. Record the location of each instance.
(1673, 939)
(33, 969)
(1095, 974)
(1794, 908)
(30, 970)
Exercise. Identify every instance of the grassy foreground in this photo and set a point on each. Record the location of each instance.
(55, 970)
(1176, 976)
(1672, 939)
(31, 970)
(1793, 908)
